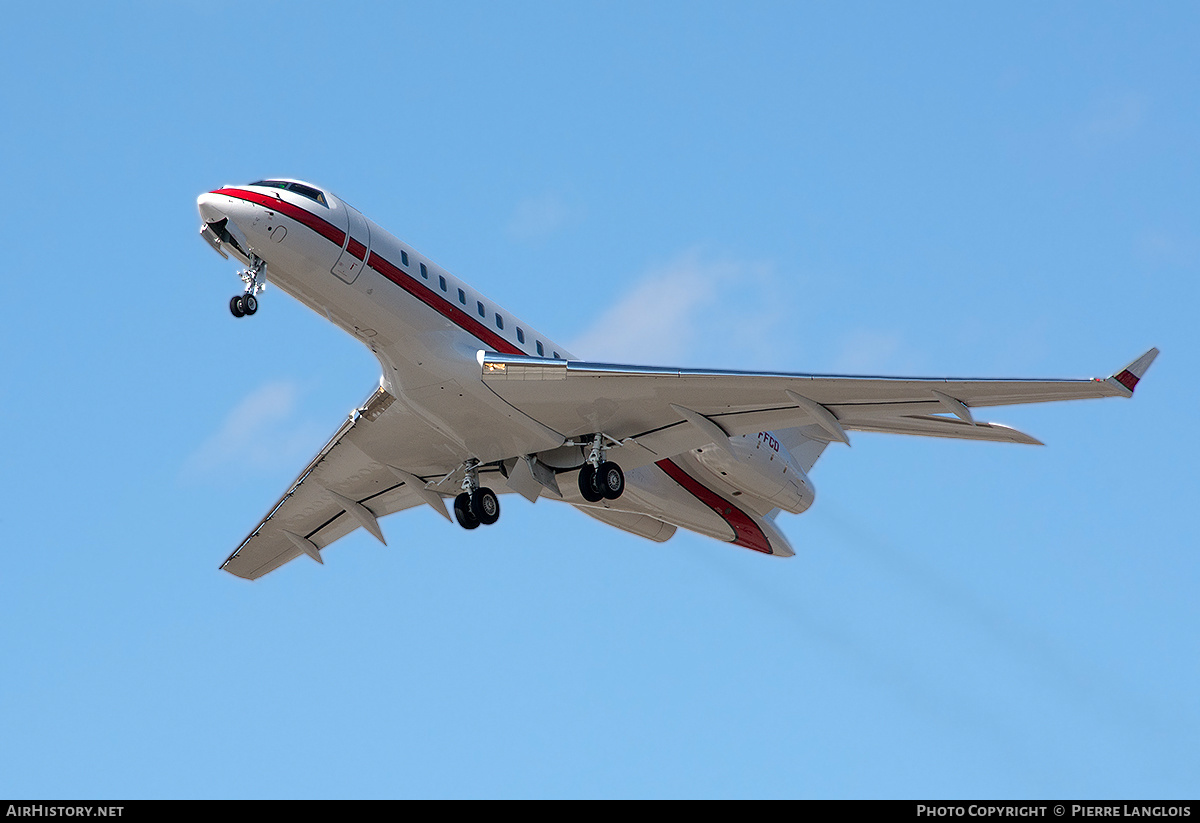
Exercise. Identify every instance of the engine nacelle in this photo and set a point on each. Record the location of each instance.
(760, 466)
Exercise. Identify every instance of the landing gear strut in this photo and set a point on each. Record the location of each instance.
(600, 478)
(241, 305)
(476, 505)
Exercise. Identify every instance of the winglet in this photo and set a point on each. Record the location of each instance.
(1127, 379)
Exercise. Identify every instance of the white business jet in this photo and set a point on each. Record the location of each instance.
(474, 401)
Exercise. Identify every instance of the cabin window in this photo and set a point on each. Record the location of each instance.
(541, 351)
(462, 297)
(404, 257)
(520, 335)
(499, 321)
(482, 310)
(424, 271)
(442, 282)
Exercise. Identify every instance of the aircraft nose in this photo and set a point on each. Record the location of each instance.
(209, 205)
(221, 217)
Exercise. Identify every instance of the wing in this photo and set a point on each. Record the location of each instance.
(662, 412)
(376, 463)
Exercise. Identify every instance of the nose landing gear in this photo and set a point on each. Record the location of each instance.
(243, 305)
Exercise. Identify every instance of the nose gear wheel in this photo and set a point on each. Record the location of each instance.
(246, 304)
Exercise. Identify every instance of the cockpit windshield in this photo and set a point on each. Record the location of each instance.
(298, 188)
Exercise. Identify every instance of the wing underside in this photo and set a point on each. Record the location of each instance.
(361, 474)
(385, 458)
(661, 412)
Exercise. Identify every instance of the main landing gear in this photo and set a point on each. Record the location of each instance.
(242, 305)
(600, 478)
(476, 505)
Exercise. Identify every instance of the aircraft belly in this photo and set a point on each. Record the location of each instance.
(650, 492)
(485, 430)
(418, 350)
(642, 525)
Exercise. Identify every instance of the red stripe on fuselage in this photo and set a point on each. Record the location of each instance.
(380, 264)
(318, 224)
(440, 305)
(748, 533)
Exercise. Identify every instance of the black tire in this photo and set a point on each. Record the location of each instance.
(235, 306)
(249, 304)
(485, 506)
(587, 485)
(462, 512)
(610, 480)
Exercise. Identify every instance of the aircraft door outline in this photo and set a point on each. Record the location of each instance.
(358, 241)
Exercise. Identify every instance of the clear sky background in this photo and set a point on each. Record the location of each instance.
(931, 189)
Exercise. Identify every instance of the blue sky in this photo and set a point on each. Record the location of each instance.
(931, 189)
